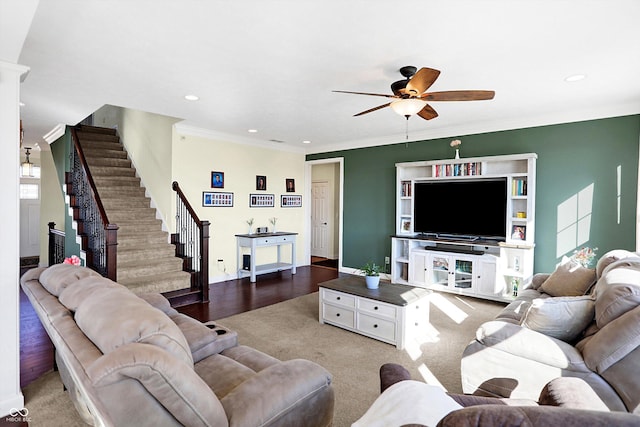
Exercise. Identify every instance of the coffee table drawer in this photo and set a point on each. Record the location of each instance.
(338, 315)
(375, 326)
(377, 308)
(338, 298)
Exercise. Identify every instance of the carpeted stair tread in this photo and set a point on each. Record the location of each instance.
(101, 153)
(158, 262)
(111, 171)
(107, 181)
(158, 283)
(125, 202)
(146, 251)
(111, 162)
(136, 214)
(118, 191)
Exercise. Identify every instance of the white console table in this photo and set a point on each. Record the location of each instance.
(254, 241)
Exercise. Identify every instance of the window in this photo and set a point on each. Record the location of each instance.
(29, 191)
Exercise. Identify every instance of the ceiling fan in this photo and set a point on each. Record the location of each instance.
(410, 96)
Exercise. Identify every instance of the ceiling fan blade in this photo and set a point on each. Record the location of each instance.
(459, 95)
(428, 113)
(421, 81)
(373, 109)
(366, 93)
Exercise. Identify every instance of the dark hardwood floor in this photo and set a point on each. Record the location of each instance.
(226, 299)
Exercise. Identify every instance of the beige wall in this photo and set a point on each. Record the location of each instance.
(148, 140)
(195, 157)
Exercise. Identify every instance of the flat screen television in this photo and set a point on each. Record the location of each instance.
(474, 208)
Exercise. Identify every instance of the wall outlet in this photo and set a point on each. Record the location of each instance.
(386, 260)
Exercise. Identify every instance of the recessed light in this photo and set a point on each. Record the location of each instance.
(253, 131)
(306, 141)
(191, 97)
(22, 104)
(575, 78)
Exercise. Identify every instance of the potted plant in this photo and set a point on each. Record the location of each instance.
(371, 272)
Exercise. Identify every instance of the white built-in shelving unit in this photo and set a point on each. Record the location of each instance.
(480, 268)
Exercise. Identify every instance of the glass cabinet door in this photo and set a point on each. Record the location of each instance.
(463, 273)
(440, 270)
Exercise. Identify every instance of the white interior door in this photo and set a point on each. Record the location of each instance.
(320, 219)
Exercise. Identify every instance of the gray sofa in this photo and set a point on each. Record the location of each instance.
(134, 360)
(516, 354)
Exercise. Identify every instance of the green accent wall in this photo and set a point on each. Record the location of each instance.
(571, 157)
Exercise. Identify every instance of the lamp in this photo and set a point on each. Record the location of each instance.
(27, 168)
(408, 106)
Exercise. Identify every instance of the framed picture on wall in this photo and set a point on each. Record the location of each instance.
(290, 184)
(217, 199)
(291, 201)
(261, 200)
(261, 183)
(217, 179)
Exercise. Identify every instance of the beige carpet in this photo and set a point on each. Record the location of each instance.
(291, 330)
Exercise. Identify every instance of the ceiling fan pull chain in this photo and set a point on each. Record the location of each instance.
(406, 132)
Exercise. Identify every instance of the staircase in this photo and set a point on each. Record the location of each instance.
(146, 261)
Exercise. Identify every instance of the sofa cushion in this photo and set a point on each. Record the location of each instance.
(76, 292)
(569, 279)
(174, 385)
(617, 291)
(612, 256)
(115, 317)
(59, 276)
(560, 317)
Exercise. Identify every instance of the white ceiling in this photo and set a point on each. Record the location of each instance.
(272, 65)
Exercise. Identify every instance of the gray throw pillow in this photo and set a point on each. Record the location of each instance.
(569, 279)
(563, 318)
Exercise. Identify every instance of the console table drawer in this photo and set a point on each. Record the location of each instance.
(338, 315)
(377, 308)
(272, 240)
(338, 298)
(375, 326)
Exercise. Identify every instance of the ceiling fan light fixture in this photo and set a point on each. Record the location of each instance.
(408, 107)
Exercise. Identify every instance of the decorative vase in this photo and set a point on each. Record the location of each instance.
(372, 281)
(250, 230)
(457, 153)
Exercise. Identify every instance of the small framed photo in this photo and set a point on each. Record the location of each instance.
(217, 179)
(261, 183)
(291, 201)
(519, 232)
(290, 184)
(261, 200)
(405, 225)
(217, 199)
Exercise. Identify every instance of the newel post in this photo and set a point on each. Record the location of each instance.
(111, 247)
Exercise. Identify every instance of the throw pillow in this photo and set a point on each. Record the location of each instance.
(569, 279)
(563, 318)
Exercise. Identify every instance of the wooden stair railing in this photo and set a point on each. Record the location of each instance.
(192, 244)
(56, 244)
(99, 237)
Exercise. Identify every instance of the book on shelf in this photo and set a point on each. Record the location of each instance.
(457, 169)
(519, 187)
(406, 189)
